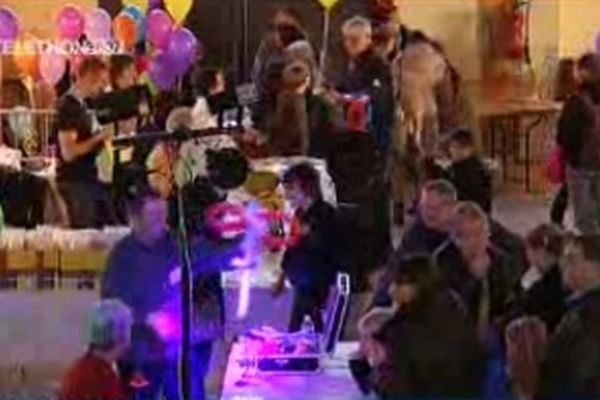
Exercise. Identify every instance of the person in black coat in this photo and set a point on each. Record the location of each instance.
(310, 262)
(477, 271)
(430, 350)
(541, 292)
(482, 277)
(424, 235)
(468, 172)
(367, 73)
(571, 368)
(579, 139)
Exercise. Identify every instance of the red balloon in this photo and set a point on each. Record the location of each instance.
(141, 64)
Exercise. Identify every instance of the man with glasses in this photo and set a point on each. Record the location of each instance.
(571, 369)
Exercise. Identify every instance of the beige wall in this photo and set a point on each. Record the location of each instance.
(579, 25)
(545, 32)
(453, 23)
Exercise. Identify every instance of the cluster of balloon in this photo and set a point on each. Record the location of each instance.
(176, 47)
(10, 33)
(130, 26)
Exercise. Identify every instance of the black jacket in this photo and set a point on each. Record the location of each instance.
(513, 247)
(473, 181)
(312, 262)
(455, 273)
(545, 299)
(370, 74)
(571, 369)
(417, 239)
(432, 352)
(579, 129)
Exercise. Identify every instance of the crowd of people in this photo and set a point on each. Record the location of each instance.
(462, 307)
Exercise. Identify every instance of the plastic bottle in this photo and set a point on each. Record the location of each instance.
(308, 326)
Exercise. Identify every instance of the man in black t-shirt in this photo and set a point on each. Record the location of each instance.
(80, 140)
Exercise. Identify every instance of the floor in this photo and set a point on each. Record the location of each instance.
(18, 317)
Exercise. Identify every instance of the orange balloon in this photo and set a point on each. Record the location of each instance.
(125, 30)
(26, 60)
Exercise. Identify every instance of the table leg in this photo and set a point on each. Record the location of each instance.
(492, 131)
(505, 134)
(528, 131)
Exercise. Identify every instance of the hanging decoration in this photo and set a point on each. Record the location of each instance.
(97, 25)
(20, 121)
(178, 9)
(125, 30)
(70, 22)
(52, 67)
(160, 26)
(9, 25)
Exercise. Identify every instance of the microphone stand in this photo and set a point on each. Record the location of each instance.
(186, 301)
(180, 135)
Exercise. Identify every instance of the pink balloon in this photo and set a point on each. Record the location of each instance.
(9, 25)
(97, 25)
(70, 22)
(159, 27)
(52, 67)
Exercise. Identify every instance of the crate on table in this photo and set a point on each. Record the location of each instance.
(82, 267)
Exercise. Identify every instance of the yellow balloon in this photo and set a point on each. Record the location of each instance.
(328, 4)
(178, 9)
(142, 4)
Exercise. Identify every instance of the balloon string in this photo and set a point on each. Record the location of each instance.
(324, 47)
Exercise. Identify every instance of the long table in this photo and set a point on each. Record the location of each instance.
(509, 127)
(333, 382)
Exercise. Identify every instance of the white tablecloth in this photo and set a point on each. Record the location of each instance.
(333, 382)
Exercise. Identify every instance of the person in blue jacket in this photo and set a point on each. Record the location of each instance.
(143, 271)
